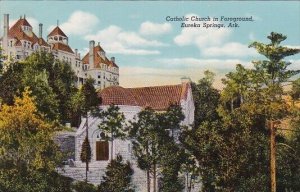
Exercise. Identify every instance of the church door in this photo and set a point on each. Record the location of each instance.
(102, 150)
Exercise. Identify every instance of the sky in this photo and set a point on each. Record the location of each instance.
(150, 48)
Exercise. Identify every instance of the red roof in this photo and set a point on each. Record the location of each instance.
(98, 59)
(42, 42)
(158, 97)
(16, 31)
(114, 64)
(57, 31)
(22, 22)
(61, 47)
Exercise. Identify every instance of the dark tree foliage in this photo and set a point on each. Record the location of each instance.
(80, 186)
(29, 154)
(86, 102)
(295, 91)
(51, 82)
(112, 125)
(90, 97)
(86, 154)
(117, 177)
(233, 151)
(171, 162)
(206, 99)
(10, 83)
(41, 180)
(156, 146)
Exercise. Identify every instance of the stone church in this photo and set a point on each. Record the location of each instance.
(130, 101)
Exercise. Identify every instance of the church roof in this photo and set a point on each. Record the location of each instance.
(57, 31)
(98, 59)
(61, 47)
(157, 97)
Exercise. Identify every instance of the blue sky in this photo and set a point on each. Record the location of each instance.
(152, 51)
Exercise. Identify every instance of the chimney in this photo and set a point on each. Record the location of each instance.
(5, 31)
(6, 25)
(91, 54)
(76, 52)
(113, 59)
(40, 30)
(185, 79)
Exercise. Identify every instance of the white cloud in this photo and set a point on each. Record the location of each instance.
(150, 28)
(200, 36)
(233, 49)
(293, 46)
(79, 23)
(115, 40)
(294, 64)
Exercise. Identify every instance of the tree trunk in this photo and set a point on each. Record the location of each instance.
(86, 158)
(187, 182)
(148, 171)
(231, 104)
(273, 156)
(148, 181)
(154, 177)
(112, 144)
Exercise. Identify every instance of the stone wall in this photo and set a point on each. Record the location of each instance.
(66, 142)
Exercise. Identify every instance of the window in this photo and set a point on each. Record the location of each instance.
(102, 151)
(99, 82)
(99, 76)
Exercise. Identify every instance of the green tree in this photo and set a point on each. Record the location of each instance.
(86, 153)
(237, 84)
(206, 99)
(10, 83)
(172, 159)
(117, 177)
(232, 152)
(51, 81)
(113, 125)
(146, 143)
(156, 146)
(172, 154)
(60, 77)
(87, 102)
(80, 186)
(270, 74)
(295, 91)
(29, 155)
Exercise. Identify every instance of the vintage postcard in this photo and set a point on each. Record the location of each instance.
(149, 96)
